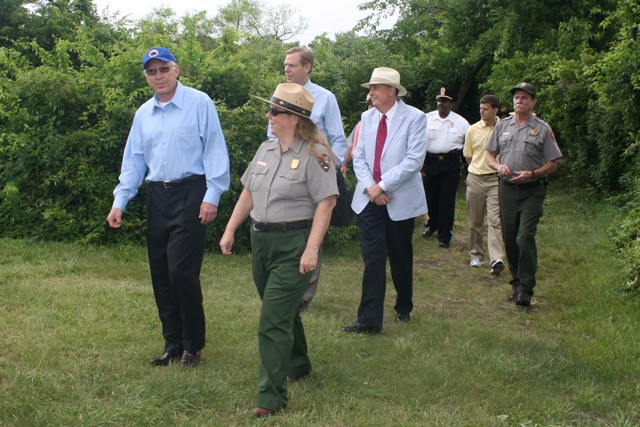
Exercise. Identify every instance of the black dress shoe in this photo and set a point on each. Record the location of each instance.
(428, 232)
(523, 299)
(165, 359)
(444, 245)
(497, 267)
(190, 359)
(403, 318)
(362, 329)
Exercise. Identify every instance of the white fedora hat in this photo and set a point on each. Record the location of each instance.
(386, 76)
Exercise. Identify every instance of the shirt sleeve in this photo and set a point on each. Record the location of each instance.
(333, 126)
(215, 155)
(134, 166)
(321, 182)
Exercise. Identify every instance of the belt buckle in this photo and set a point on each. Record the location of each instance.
(441, 157)
(166, 184)
(258, 226)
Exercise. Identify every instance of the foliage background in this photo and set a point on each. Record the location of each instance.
(70, 82)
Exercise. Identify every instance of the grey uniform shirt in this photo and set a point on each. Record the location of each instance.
(287, 186)
(523, 148)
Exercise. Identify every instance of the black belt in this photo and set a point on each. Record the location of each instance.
(281, 226)
(177, 182)
(453, 154)
(524, 185)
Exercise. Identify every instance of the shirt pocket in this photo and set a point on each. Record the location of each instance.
(257, 180)
(533, 147)
(294, 184)
(504, 143)
(432, 133)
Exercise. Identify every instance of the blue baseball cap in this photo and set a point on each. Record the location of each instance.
(161, 53)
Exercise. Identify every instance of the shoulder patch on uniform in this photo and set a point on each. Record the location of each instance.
(324, 161)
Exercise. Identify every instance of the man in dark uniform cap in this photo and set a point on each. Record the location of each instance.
(528, 153)
(442, 164)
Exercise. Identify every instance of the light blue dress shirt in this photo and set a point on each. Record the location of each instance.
(174, 141)
(326, 116)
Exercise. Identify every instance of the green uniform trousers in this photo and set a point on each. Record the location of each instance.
(281, 341)
(520, 211)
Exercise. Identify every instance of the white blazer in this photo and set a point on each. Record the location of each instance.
(402, 158)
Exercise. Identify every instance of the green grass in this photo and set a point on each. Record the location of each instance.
(78, 327)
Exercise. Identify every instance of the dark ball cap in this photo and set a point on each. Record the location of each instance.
(446, 93)
(161, 53)
(525, 87)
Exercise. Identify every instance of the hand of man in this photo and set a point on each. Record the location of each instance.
(114, 219)
(208, 213)
(374, 191)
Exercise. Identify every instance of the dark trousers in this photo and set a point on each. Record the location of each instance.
(281, 340)
(381, 237)
(440, 180)
(520, 212)
(175, 243)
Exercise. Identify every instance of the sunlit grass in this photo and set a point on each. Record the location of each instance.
(79, 326)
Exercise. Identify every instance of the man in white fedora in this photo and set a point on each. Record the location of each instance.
(388, 197)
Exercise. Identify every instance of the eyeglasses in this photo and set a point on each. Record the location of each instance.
(275, 112)
(153, 71)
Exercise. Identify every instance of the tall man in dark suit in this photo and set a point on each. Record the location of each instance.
(388, 197)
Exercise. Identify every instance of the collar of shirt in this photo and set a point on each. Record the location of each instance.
(295, 147)
(392, 111)
(177, 100)
(485, 124)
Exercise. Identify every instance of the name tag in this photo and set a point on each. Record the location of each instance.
(259, 163)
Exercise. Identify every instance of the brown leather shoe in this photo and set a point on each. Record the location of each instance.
(263, 412)
(165, 359)
(190, 359)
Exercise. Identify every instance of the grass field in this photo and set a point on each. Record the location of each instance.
(78, 327)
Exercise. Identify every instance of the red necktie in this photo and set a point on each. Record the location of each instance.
(381, 137)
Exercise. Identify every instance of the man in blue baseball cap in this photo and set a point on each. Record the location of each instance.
(177, 146)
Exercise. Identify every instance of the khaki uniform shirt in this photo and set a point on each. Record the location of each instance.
(477, 137)
(287, 186)
(523, 148)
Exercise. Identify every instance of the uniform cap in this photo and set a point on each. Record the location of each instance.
(525, 87)
(447, 93)
(293, 98)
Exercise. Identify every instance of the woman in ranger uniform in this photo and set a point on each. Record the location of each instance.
(289, 190)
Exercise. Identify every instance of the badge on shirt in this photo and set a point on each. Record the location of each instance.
(324, 162)
(533, 132)
(295, 163)
(259, 163)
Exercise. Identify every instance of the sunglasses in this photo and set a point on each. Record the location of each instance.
(153, 71)
(275, 112)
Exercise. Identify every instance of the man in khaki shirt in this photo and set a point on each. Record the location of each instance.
(482, 189)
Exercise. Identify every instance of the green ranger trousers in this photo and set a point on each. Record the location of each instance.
(282, 345)
(520, 211)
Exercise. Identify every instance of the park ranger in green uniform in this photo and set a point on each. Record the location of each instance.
(289, 190)
(528, 153)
